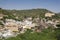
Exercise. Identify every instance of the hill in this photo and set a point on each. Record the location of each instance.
(21, 14)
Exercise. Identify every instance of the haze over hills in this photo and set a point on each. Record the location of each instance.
(53, 5)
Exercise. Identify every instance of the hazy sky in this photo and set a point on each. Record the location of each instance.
(53, 5)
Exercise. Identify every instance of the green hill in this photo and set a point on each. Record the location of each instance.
(21, 14)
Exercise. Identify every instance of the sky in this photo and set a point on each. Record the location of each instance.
(52, 5)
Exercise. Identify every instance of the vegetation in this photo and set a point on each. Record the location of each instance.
(21, 14)
(46, 34)
(57, 32)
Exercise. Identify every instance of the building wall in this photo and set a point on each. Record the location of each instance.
(49, 14)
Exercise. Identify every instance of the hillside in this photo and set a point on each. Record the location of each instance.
(32, 12)
(21, 14)
(45, 34)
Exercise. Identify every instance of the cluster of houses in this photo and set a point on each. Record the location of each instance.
(13, 27)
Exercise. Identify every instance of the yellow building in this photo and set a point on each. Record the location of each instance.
(12, 27)
(1, 16)
(49, 14)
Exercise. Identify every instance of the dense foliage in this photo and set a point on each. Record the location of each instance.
(46, 34)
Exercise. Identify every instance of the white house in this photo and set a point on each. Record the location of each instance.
(7, 33)
(11, 24)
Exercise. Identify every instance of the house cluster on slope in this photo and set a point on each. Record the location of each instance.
(13, 27)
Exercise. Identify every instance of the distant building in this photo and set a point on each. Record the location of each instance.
(49, 14)
(27, 23)
(1, 16)
(6, 34)
(11, 25)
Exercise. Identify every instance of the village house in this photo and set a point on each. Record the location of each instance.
(27, 24)
(1, 28)
(49, 14)
(53, 22)
(6, 33)
(1, 15)
(11, 25)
